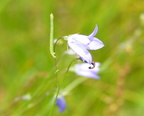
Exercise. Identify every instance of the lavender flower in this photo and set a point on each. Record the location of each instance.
(60, 102)
(83, 70)
(80, 44)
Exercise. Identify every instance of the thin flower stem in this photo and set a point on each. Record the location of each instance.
(52, 52)
(68, 70)
(52, 35)
(65, 76)
(60, 86)
(70, 65)
(56, 43)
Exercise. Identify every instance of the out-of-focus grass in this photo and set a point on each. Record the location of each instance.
(27, 75)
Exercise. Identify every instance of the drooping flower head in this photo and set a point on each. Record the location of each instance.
(60, 102)
(80, 44)
(84, 70)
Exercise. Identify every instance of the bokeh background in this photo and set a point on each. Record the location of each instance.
(27, 74)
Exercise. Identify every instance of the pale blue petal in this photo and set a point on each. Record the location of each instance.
(90, 42)
(83, 70)
(79, 38)
(95, 44)
(81, 51)
(93, 33)
(86, 73)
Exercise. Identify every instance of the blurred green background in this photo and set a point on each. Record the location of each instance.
(27, 74)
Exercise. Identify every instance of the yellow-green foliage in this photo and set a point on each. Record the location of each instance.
(28, 76)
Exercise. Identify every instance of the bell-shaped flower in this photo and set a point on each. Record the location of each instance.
(60, 102)
(84, 70)
(80, 44)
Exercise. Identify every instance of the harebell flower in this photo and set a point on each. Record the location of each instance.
(83, 70)
(60, 102)
(80, 44)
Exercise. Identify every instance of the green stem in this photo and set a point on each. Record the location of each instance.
(52, 35)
